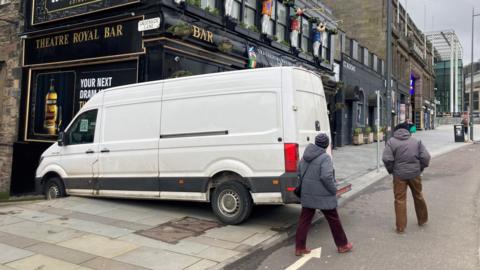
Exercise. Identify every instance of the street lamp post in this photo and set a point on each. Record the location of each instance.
(470, 103)
(388, 75)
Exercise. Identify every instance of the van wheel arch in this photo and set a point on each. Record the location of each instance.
(53, 186)
(224, 176)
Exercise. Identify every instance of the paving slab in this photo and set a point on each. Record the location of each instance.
(41, 231)
(3, 267)
(257, 238)
(182, 247)
(41, 262)
(31, 215)
(202, 265)
(92, 207)
(91, 227)
(157, 259)
(217, 254)
(156, 220)
(16, 240)
(108, 221)
(61, 253)
(9, 253)
(230, 233)
(100, 263)
(99, 245)
(126, 215)
(9, 219)
(202, 239)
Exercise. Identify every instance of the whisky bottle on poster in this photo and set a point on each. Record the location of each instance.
(51, 110)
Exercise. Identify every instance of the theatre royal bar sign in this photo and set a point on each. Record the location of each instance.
(52, 10)
(98, 41)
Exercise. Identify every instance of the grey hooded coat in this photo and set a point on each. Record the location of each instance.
(404, 156)
(318, 183)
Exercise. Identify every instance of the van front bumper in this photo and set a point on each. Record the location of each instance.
(38, 186)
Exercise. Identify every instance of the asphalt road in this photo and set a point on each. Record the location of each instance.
(450, 240)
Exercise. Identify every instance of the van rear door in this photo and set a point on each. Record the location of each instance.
(310, 105)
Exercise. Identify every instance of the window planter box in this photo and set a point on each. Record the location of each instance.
(305, 56)
(247, 32)
(326, 65)
(230, 22)
(280, 46)
(195, 10)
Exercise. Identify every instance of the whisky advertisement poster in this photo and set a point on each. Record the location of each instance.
(57, 95)
(51, 103)
(92, 80)
(53, 10)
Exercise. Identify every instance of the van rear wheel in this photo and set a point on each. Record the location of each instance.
(54, 188)
(232, 203)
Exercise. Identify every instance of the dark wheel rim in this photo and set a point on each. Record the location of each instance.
(53, 192)
(229, 202)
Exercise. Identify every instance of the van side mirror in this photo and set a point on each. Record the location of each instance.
(61, 139)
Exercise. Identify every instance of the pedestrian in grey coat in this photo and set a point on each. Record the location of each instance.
(405, 158)
(318, 191)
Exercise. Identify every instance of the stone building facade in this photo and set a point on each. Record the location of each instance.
(10, 76)
(412, 66)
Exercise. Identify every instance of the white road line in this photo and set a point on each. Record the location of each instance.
(315, 253)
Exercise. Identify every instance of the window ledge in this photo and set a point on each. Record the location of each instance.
(247, 32)
(280, 46)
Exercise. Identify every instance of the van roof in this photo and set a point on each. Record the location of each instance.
(209, 75)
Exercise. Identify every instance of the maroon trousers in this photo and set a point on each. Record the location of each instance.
(333, 221)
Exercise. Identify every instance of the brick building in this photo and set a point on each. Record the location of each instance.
(10, 77)
(413, 77)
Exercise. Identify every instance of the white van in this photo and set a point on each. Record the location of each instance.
(231, 138)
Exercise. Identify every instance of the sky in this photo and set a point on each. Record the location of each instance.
(448, 14)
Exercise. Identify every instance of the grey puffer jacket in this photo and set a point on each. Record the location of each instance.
(404, 156)
(318, 186)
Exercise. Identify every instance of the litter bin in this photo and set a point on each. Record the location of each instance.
(459, 133)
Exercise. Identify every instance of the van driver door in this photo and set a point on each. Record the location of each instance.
(79, 155)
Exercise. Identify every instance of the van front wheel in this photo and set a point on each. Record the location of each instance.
(232, 202)
(54, 188)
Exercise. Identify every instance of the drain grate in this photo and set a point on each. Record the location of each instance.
(176, 230)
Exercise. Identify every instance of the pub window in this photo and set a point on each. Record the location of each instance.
(326, 48)
(272, 18)
(237, 6)
(281, 21)
(208, 3)
(306, 30)
(180, 66)
(250, 12)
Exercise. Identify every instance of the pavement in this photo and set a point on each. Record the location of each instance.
(90, 233)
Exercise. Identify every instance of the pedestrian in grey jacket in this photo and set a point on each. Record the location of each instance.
(405, 158)
(318, 191)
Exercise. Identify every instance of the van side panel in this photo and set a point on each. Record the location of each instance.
(227, 124)
(128, 157)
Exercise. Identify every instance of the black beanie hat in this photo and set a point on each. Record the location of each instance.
(402, 126)
(322, 140)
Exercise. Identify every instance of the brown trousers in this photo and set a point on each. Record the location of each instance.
(400, 192)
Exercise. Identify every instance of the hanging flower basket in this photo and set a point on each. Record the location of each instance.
(225, 46)
(182, 30)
